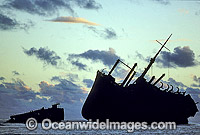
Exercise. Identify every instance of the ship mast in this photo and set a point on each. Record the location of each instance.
(152, 60)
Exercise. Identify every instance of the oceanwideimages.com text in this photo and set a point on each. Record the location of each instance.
(47, 124)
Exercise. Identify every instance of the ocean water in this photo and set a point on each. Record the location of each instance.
(10, 128)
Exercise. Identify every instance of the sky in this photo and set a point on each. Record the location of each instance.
(51, 49)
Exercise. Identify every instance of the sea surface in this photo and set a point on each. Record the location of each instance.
(10, 128)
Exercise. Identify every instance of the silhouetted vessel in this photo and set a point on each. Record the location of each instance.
(54, 114)
(140, 101)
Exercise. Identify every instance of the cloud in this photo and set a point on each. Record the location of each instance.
(175, 83)
(110, 33)
(2, 78)
(196, 80)
(15, 73)
(180, 57)
(183, 11)
(18, 85)
(195, 85)
(108, 58)
(88, 4)
(164, 2)
(50, 7)
(120, 73)
(8, 23)
(43, 54)
(39, 7)
(193, 91)
(42, 8)
(64, 91)
(107, 33)
(88, 82)
(139, 55)
(72, 77)
(80, 65)
(17, 97)
(197, 12)
(69, 19)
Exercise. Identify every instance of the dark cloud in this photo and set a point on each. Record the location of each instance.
(15, 73)
(195, 85)
(110, 33)
(193, 91)
(18, 89)
(49, 7)
(39, 7)
(120, 72)
(44, 54)
(181, 57)
(72, 77)
(2, 78)
(107, 33)
(18, 85)
(108, 58)
(80, 65)
(164, 2)
(64, 91)
(16, 97)
(14, 102)
(196, 80)
(139, 55)
(175, 83)
(88, 82)
(197, 12)
(88, 4)
(8, 23)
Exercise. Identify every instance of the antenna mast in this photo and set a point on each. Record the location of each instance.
(152, 60)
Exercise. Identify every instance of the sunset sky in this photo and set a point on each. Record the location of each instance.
(51, 49)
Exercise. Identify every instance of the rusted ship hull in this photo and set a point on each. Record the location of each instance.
(138, 103)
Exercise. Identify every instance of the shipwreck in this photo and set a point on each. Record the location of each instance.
(54, 113)
(140, 101)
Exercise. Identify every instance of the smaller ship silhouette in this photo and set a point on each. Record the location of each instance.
(141, 101)
(54, 114)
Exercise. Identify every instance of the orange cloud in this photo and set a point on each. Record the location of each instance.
(69, 19)
(184, 11)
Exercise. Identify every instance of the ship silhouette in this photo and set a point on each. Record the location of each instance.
(54, 114)
(140, 101)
